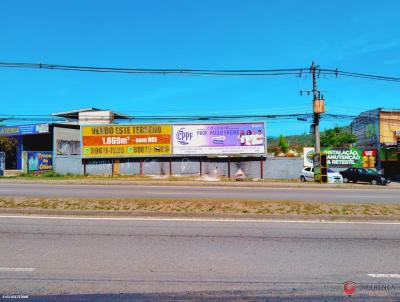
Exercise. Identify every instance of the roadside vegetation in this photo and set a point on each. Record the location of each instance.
(203, 206)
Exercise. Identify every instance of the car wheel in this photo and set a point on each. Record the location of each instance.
(345, 180)
(373, 182)
(302, 178)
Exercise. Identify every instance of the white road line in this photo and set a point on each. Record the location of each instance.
(17, 269)
(196, 219)
(371, 197)
(165, 193)
(384, 275)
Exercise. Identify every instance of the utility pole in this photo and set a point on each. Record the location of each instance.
(318, 108)
(319, 160)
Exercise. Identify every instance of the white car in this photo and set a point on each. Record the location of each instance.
(307, 174)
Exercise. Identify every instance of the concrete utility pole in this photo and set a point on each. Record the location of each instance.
(318, 108)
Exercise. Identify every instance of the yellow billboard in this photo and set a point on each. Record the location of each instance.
(125, 140)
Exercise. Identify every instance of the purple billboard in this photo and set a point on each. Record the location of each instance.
(218, 139)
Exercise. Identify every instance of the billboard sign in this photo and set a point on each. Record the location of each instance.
(218, 139)
(366, 128)
(39, 161)
(24, 129)
(109, 141)
(344, 157)
(2, 163)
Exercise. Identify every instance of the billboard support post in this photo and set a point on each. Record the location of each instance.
(141, 168)
(229, 167)
(170, 166)
(262, 168)
(201, 167)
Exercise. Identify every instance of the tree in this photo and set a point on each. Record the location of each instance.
(337, 137)
(282, 143)
(8, 145)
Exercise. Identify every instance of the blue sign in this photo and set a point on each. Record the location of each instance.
(24, 129)
(40, 161)
(2, 163)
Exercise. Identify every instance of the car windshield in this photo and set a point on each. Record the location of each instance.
(331, 171)
(370, 171)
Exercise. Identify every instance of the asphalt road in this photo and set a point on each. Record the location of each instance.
(158, 259)
(367, 194)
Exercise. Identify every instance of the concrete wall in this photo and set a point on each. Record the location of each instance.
(273, 168)
(68, 165)
(185, 166)
(289, 167)
(67, 153)
(99, 166)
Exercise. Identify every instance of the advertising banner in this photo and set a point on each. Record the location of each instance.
(344, 157)
(219, 139)
(24, 129)
(2, 163)
(108, 141)
(39, 161)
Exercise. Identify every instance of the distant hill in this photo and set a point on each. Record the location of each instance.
(298, 140)
(293, 140)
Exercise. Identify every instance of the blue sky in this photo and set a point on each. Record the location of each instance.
(360, 36)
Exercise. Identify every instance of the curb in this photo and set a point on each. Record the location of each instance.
(200, 184)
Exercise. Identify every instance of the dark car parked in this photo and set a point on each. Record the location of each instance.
(364, 175)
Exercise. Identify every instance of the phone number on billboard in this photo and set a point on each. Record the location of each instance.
(125, 150)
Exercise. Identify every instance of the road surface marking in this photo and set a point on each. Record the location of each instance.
(164, 193)
(196, 219)
(384, 275)
(17, 269)
(371, 197)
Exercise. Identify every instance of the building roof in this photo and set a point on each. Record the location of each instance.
(74, 114)
(381, 109)
(389, 110)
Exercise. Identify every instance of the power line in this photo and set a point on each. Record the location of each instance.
(298, 72)
(158, 71)
(270, 117)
